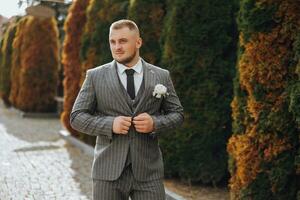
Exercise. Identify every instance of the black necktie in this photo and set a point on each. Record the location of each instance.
(130, 82)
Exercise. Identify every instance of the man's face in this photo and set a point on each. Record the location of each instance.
(124, 44)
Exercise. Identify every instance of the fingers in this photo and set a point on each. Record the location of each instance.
(124, 129)
(121, 124)
(141, 129)
(143, 123)
(139, 126)
(140, 118)
(126, 123)
(127, 119)
(137, 123)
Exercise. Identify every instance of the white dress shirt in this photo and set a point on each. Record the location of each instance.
(137, 76)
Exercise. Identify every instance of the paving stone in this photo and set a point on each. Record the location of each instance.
(36, 163)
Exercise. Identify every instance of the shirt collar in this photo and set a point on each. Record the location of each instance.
(137, 67)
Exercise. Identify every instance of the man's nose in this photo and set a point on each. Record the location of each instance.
(118, 45)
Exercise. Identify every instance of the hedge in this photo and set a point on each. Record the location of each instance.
(264, 148)
(95, 49)
(149, 15)
(5, 63)
(199, 42)
(35, 63)
(73, 28)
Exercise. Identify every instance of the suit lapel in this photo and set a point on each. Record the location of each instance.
(116, 87)
(150, 79)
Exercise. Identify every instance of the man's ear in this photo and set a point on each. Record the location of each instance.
(139, 42)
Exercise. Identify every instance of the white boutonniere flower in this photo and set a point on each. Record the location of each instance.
(160, 91)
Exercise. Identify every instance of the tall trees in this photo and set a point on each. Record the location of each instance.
(264, 150)
(95, 46)
(149, 15)
(35, 65)
(199, 49)
(5, 62)
(73, 28)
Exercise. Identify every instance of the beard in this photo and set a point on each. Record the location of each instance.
(127, 60)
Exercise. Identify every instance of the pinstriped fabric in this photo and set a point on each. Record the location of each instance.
(126, 186)
(101, 99)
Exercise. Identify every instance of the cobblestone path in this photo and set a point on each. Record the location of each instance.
(36, 163)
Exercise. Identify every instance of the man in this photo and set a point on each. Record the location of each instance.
(127, 103)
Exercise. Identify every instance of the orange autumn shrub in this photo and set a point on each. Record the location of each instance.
(73, 28)
(264, 149)
(35, 63)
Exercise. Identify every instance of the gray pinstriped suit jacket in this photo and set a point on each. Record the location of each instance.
(101, 98)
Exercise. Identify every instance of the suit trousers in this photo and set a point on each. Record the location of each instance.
(127, 186)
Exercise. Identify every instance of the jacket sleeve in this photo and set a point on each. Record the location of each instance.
(172, 110)
(84, 117)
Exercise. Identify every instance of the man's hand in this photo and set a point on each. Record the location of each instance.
(143, 123)
(121, 125)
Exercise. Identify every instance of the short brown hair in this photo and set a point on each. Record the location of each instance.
(124, 23)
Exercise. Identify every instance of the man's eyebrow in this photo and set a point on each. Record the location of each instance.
(119, 39)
